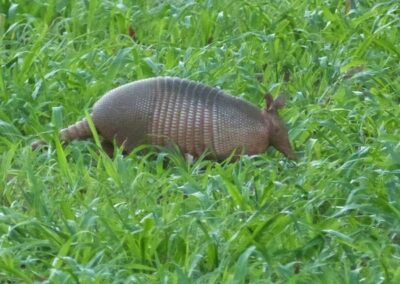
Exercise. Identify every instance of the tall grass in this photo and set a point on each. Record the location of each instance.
(71, 214)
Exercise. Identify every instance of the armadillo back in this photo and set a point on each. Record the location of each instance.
(167, 110)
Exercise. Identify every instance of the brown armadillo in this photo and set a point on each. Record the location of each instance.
(195, 117)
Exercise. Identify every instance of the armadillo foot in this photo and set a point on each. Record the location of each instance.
(189, 158)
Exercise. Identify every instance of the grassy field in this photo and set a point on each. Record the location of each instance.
(69, 214)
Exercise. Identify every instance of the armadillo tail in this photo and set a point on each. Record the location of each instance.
(79, 130)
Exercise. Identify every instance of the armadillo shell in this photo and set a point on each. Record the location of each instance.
(165, 110)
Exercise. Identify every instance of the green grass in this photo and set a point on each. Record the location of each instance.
(70, 214)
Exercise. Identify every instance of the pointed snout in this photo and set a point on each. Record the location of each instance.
(287, 150)
(291, 156)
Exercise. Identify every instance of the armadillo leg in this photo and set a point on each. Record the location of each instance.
(108, 148)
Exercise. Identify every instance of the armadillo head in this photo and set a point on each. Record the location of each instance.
(278, 133)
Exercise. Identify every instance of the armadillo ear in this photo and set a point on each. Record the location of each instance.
(269, 100)
(279, 102)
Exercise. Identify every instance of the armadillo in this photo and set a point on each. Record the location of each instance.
(197, 118)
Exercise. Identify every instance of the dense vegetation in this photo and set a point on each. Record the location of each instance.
(71, 214)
